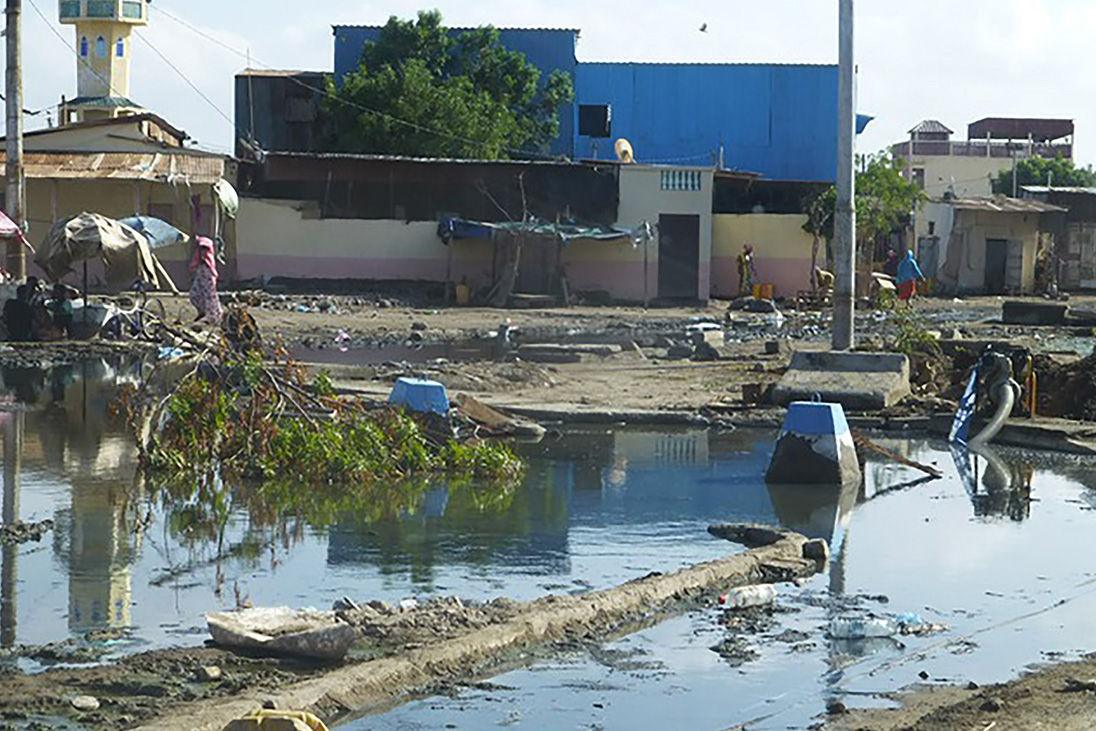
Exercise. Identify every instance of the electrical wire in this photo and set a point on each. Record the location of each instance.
(81, 59)
(185, 78)
(346, 102)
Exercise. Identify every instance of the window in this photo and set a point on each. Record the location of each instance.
(595, 120)
(681, 180)
(84, 47)
(132, 9)
(70, 8)
(120, 48)
(919, 177)
(101, 47)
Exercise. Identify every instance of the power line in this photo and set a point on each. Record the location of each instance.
(347, 102)
(185, 78)
(81, 59)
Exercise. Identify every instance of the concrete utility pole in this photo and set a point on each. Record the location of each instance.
(13, 464)
(17, 256)
(844, 249)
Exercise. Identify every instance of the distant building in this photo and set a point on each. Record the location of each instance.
(775, 120)
(103, 49)
(940, 165)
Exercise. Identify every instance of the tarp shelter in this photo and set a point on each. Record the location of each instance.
(539, 272)
(125, 252)
(158, 232)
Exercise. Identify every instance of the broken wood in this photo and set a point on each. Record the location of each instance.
(866, 445)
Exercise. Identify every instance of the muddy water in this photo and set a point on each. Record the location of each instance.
(991, 555)
(995, 552)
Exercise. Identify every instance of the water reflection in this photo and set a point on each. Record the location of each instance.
(12, 423)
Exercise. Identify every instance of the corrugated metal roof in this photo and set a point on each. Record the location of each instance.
(1058, 189)
(931, 126)
(279, 72)
(429, 160)
(1001, 204)
(165, 167)
(1019, 128)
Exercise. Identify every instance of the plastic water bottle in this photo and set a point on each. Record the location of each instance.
(855, 628)
(748, 596)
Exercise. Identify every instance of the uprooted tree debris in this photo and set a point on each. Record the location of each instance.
(244, 411)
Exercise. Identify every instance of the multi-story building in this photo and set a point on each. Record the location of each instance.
(967, 168)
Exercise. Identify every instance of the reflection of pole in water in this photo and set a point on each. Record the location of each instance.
(13, 462)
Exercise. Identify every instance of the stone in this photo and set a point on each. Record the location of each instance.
(1033, 313)
(857, 381)
(85, 703)
(992, 705)
(817, 550)
(420, 326)
(836, 708)
(209, 673)
(774, 347)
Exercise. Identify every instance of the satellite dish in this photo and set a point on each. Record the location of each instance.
(624, 150)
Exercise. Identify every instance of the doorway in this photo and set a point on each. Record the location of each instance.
(996, 265)
(678, 256)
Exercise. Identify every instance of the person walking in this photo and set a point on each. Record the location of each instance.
(909, 274)
(203, 282)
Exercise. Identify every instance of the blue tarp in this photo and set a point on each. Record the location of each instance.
(158, 232)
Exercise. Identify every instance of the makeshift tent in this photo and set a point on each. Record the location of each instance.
(125, 252)
(158, 232)
(544, 272)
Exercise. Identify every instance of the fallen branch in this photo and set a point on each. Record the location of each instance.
(865, 444)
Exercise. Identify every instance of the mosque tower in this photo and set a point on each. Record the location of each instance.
(103, 47)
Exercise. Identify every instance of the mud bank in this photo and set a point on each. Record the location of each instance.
(1060, 697)
(554, 618)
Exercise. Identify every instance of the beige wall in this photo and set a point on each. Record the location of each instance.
(112, 138)
(103, 76)
(782, 252)
(52, 200)
(643, 199)
(971, 175)
(286, 239)
(977, 226)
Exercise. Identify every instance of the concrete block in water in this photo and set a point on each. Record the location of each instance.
(860, 381)
(815, 447)
(1033, 313)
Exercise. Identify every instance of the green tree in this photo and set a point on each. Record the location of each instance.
(1039, 170)
(421, 90)
(884, 200)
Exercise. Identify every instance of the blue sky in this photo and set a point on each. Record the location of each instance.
(952, 61)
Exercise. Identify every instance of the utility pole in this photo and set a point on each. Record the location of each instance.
(16, 194)
(844, 269)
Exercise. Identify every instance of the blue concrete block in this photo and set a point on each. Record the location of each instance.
(418, 394)
(814, 418)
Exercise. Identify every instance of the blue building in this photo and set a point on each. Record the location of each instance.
(773, 119)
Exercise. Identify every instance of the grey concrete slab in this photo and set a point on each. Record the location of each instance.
(857, 381)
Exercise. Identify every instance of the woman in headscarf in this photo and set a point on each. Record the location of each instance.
(909, 274)
(203, 282)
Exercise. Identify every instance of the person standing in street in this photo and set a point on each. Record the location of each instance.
(909, 274)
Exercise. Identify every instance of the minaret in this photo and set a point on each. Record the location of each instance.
(103, 48)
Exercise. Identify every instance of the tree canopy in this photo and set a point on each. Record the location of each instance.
(1040, 170)
(884, 198)
(425, 91)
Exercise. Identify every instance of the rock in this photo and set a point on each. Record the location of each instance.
(679, 350)
(85, 703)
(209, 673)
(836, 708)
(817, 550)
(923, 675)
(774, 347)
(1075, 685)
(705, 352)
(992, 705)
(419, 326)
(345, 604)
(972, 685)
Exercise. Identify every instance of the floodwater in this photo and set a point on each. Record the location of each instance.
(995, 551)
